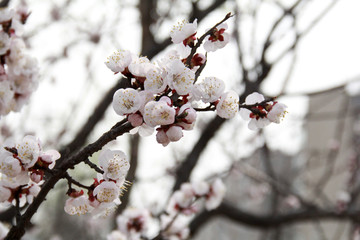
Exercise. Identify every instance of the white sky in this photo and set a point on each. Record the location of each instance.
(329, 55)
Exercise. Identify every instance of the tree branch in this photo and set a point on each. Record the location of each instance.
(270, 221)
(59, 171)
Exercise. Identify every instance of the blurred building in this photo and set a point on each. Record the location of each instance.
(321, 173)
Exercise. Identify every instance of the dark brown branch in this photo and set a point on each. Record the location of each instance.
(184, 171)
(73, 181)
(147, 10)
(200, 69)
(95, 117)
(4, 3)
(93, 166)
(200, 14)
(60, 170)
(270, 221)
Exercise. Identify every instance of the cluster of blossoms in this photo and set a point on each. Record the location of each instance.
(183, 202)
(163, 94)
(133, 223)
(18, 70)
(22, 168)
(103, 195)
(184, 34)
(261, 112)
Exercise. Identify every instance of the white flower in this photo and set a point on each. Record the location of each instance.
(256, 121)
(6, 97)
(159, 113)
(23, 64)
(140, 66)
(181, 199)
(209, 90)
(133, 221)
(166, 62)
(344, 197)
(174, 133)
(50, 157)
(28, 151)
(116, 235)
(6, 14)
(218, 39)
(17, 50)
(277, 112)
(107, 191)
(292, 202)
(13, 182)
(189, 112)
(228, 105)
(145, 130)
(181, 78)
(187, 189)
(119, 60)
(24, 80)
(4, 42)
(200, 188)
(217, 193)
(183, 31)
(146, 97)
(114, 163)
(33, 191)
(155, 80)
(186, 126)
(175, 229)
(17, 26)
(9, 165)
(253, 98)
(104, 209)
(126, 101)
(78, 206)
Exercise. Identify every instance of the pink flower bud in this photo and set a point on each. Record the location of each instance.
(162, 138)
(191, 115)
(135, 119)
(36, 177)
(174, 133)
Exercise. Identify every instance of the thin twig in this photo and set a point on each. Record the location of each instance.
(93, 166)
(201, 68)
(201, 39)
(73, 181)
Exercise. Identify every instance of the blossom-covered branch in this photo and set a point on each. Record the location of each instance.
(161, 96)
